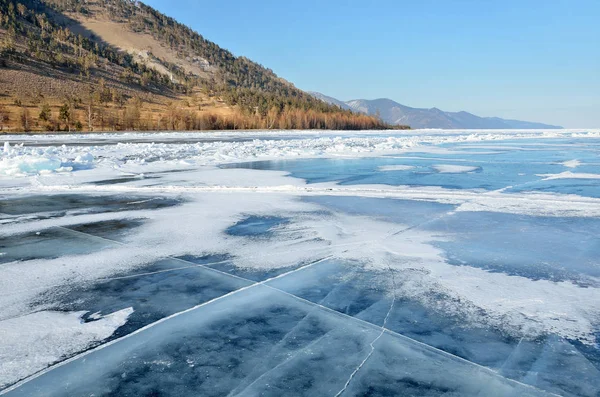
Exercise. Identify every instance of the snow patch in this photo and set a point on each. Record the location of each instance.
(398, 167)
(569, 175)
(454, 169)
(572, 163)
(33, 342)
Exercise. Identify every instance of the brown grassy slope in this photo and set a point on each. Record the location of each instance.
(140, 44)
(154, 80)
(27, 88)
(27, 84)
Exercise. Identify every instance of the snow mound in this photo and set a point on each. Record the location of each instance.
(179, 148)
(571, 163)
(18, 161)
(454, 169)
(28, 165)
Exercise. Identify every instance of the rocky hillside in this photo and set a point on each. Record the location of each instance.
(121, 65)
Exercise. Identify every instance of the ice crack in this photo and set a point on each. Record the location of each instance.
(372, 344)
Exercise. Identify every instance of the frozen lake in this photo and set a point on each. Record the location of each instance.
(358, 264)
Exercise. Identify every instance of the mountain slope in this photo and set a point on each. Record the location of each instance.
(518, 124)
(395, 113)
(330, 100)
(468, 120)
(119, 64)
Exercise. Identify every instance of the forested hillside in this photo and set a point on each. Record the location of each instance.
(121, 65)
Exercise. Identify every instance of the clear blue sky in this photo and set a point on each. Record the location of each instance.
(527, 59)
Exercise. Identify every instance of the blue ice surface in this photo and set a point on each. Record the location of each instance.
(154, 291)
(77, 239)
(81, 203)
(115, 230)
(539, 248)
(120, 180)
(548, 363)
(405, 212)
(517, 165)
(249, 273)
(307, 331)
(48, 244)
(260, 341)
(579, 187)
(167, 287)
(364, 171)
(257, 226)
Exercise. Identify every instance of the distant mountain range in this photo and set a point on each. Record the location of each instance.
(395, 113)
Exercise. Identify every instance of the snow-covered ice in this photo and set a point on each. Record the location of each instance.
(31, 342)
(454, 169)
(399, 167)
(571, 163)
(388, 262)
(569, 175)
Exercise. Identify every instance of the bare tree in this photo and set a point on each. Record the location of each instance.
(272, 116)
(91, 109)
(4, 117)
(101, 117)
(25, 119)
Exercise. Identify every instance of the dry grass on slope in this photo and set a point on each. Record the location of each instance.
(26, 88)
(143, 46)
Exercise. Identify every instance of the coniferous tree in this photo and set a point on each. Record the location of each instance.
(64, 114)
(45, 112)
